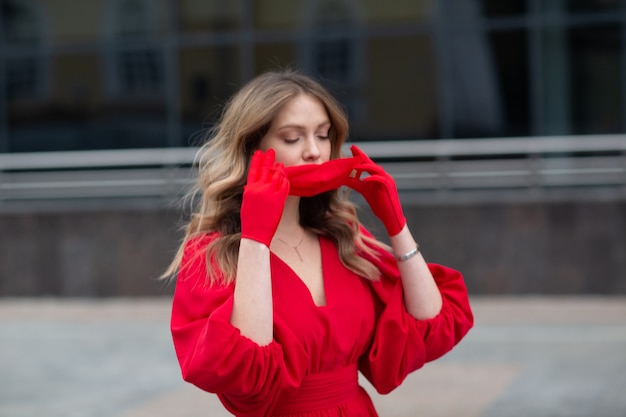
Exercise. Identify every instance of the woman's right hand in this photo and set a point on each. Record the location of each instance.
(264, 197)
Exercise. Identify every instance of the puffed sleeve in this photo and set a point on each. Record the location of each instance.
(213, 355)
(403, 344)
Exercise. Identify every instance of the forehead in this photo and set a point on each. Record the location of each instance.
(302, 108)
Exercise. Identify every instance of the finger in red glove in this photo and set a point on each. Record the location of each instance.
(264, 197)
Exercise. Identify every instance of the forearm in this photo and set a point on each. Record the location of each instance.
(421, 294)
(252, 309)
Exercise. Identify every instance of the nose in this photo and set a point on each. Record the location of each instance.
(311, 151)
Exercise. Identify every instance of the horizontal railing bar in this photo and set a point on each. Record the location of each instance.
(500, 146)
(81, 183)
(538, 163)
(376, 150)
(20, 183)
(96, 158)
(89, 184)
(574, 171)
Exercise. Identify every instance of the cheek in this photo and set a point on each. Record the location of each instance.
(284, 156)
(263, 144)
(326, 150)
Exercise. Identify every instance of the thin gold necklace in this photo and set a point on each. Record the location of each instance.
(294, 247)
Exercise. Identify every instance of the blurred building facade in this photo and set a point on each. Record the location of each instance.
(107, 74)
(139, 74)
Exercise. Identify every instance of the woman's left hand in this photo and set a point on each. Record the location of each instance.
(379, 190)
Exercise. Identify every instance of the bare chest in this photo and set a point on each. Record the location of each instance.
(306, 263)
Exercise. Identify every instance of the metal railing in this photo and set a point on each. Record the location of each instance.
(526, 168)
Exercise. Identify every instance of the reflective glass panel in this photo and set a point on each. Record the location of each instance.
(499, 8)
(398, 97)
(592, 5)
(510, 55)
(99, 83)
(301, 14)
(596, 69)
(203, 16)
(490, 85)
(208, 76)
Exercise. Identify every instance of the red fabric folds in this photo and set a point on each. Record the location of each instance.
(212, 353)
(363, 322)
(311, 179)
(322, 390)
(415, 342)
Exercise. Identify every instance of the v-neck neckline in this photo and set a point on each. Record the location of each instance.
(301, 282)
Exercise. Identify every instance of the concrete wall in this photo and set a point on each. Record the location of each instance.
(564, 248)
(90, 253)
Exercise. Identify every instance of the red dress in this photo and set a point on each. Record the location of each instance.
(310, 368)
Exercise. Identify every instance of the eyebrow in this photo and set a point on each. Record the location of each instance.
(301, 127)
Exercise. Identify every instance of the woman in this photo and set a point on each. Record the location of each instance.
(282, 296)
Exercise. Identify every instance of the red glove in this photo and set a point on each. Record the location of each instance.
(264, 197)
(380, 192)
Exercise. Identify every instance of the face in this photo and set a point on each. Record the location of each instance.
(299, 133)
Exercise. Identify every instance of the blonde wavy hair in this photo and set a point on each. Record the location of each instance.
(222, 163)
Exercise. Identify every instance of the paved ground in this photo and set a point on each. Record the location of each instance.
(525, 357)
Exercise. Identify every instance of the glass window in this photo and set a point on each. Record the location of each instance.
(208, 76)
(23, 78)
(20, 23)
(204, 16)
(399, 98)
(333, 59)
(279, 14)
(269, 56)
(555, 86)
(499, 8)
(134, 111)
(483, 76)
(592, 5)
(134, 19)
(331, 51)
(23, 72)
(23, 68)
(454, 10)
(398, 13)
(141, 71)
(152, 73)
(595, 63)
(509, 55)
(139, 61)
